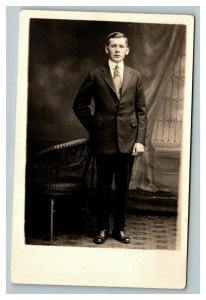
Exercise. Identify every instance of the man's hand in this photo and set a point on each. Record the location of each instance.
(138, 149)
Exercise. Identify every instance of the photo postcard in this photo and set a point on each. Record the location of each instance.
(102, 151)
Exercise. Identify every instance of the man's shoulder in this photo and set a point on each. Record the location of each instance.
(98, 68)
(133, 71)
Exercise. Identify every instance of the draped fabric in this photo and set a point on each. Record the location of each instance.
(64, 51)
(157, 51)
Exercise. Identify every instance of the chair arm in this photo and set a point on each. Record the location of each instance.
(62, 146)
(70, 155)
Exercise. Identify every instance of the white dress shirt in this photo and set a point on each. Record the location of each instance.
(112, 66)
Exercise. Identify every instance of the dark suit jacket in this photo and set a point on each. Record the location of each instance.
(117, 123)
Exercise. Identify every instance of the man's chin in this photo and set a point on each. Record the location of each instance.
(117, 60)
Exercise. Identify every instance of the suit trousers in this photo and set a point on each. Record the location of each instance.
(118, 167)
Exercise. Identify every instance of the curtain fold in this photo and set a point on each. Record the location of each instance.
(157, 51)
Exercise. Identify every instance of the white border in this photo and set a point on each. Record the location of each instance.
(80, 266)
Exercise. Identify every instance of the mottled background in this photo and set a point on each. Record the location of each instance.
(62, 52)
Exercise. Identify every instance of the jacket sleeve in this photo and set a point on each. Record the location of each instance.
(141, 112)
(82, 102)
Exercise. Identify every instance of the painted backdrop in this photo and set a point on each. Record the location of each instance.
(61, 52)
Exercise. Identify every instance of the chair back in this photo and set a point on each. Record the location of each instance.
(65, 162)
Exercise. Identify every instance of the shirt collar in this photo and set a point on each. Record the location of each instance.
(112, 65)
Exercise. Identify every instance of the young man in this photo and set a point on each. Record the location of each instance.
(117, 129)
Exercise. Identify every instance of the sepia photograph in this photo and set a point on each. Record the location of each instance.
(102, 156)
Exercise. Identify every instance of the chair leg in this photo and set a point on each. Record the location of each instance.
(88, 215)
(52, 219)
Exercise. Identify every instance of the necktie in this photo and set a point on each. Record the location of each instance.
(117, 81)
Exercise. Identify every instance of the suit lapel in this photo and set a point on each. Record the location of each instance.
(106, 74)
(127, 78)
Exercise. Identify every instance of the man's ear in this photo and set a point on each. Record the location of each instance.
(106, 50)
(127, 50)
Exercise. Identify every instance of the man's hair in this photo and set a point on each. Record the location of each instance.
(116, 35)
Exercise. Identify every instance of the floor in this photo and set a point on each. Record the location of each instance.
(146, 230)
(151, 222)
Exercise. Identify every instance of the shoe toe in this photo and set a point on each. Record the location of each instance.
(121, 237)
(98, 240)
(126, 240)
(101, 237)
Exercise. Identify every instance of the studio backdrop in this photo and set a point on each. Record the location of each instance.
(62, 52)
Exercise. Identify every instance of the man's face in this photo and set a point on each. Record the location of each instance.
(117, 49)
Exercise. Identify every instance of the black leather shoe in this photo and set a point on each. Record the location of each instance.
(121, 236)
(101, 237)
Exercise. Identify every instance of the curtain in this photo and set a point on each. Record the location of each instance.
(157, 51)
